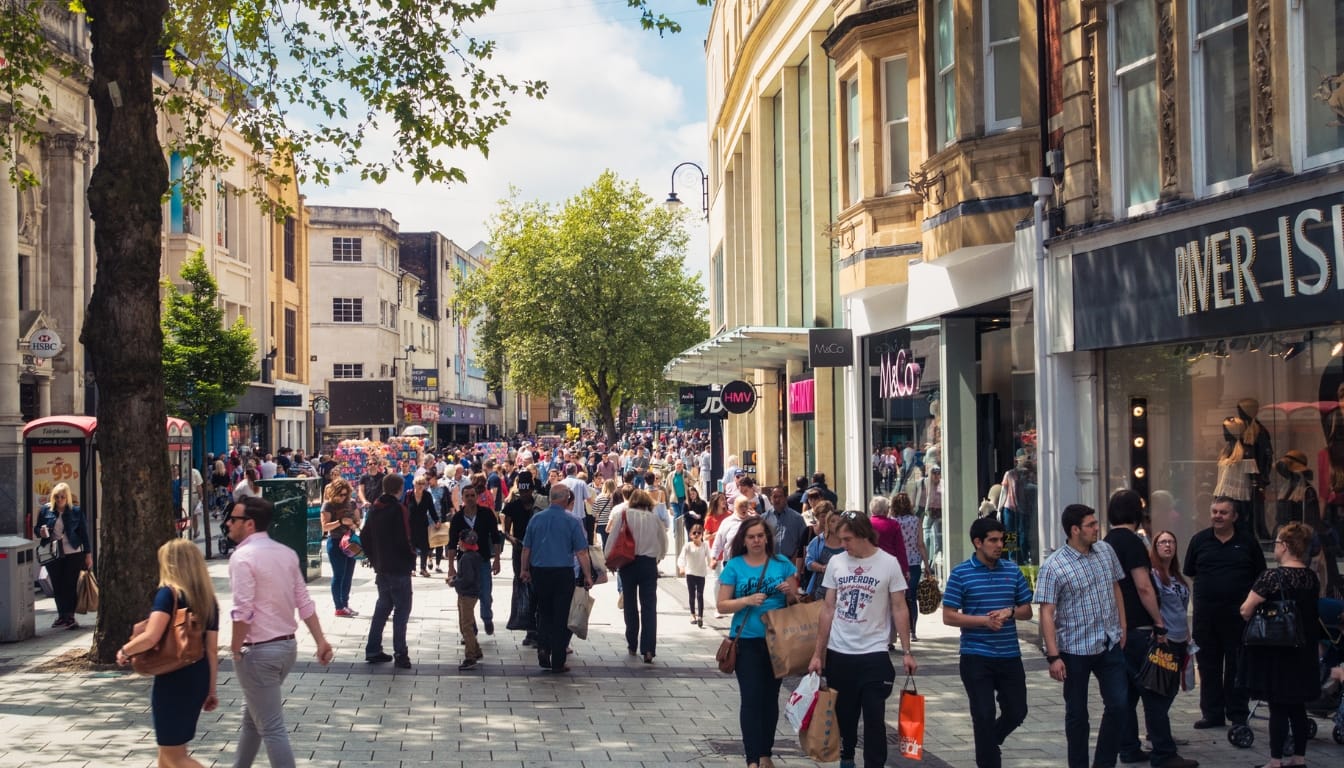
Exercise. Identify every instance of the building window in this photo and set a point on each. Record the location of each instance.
(289, 248)
(1221, 90)
(853, 187)
(347, 310)
(1133, 44)
(291, 342)
(1003, 66)
(896, 122)
(1318, 76)
(347, 249)
(182, 218)
(347, 371)
(945, 81)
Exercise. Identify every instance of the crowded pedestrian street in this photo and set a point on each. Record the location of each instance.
(610, 710)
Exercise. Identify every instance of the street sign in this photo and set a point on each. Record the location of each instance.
(738, 396)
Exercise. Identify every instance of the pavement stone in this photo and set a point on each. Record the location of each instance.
(612, 710)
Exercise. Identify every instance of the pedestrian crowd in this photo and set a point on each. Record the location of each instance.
(1116, 610)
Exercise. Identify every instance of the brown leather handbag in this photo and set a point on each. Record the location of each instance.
(726, 656)
(181, 644)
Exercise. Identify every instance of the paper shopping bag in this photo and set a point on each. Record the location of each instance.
(791, 637)
(910, 730)
(86, 593)
(580, 607)
(821, 738)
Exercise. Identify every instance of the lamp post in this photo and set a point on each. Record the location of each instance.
(674, 203)
(396, 384)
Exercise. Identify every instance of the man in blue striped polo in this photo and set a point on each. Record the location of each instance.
(985, 597)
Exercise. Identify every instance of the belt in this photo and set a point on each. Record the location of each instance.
(272, 640)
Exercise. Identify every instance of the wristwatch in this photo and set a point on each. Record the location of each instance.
(1159, 630)
(1051, 659)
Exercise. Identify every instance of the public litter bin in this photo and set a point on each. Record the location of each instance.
(18, 562)
(298, 522)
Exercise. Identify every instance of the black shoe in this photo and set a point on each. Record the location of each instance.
(543, 660)
(1208, 722)
(467, 664)
(489, 627)
(1176, 761)
(1137, 757)
(378, 658)
(528, 642)
(403, 662)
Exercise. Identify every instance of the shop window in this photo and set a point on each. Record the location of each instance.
(1003, 65)
(902, 406)
(182, 218)
(945, 81)
(347, 310)
(896, 123)
(347, 371)
(1255, 418)
(1317, 65)
(347, 249)
(1133, 44)
(1221, 94)
(853, 185)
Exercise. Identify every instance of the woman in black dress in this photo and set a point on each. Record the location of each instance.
(420, 504)
(1287, 678)
(179, 697)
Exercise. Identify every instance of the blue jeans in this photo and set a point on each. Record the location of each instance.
(1155, 707)
(487, 605)
(394, 593)
(342, 572)
(1113, 683)
(641, 609)
(912, 595)
(758, 716)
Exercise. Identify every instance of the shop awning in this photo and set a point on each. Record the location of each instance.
(724, 357)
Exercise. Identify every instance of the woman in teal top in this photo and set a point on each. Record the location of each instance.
(756, 580)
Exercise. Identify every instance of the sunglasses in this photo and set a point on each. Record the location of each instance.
(237, 517)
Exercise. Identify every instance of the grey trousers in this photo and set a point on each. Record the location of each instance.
(261, 672)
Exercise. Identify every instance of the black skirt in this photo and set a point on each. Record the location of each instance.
(176, 702)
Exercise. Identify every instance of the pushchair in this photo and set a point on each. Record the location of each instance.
(1329, 706)
(219, 510)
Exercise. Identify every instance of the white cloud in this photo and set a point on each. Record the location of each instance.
(619, 97)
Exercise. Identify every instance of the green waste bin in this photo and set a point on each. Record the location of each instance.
(298, 518)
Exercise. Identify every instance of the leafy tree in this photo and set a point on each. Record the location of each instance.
(590, 296)
(206, 366)
(314, 78)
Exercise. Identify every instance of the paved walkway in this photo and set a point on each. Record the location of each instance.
(612, 710)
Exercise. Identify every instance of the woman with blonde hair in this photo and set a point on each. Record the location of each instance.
(178, 698)
(340, 515)
(641, 575)
(61, 520)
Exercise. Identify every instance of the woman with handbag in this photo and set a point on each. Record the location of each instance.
(755, 580)
(641, 575)
(1173, 595)
(916, 553)
(178, 698)
(340, 516)
(64, 523)
(420, 506)
(1287, 673)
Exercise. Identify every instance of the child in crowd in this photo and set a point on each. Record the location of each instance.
(467, 582)
(693, 563)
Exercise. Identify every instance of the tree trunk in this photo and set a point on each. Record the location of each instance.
(121, 334)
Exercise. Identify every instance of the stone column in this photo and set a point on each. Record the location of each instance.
(11, 419)
(43, 396)
(67, 156)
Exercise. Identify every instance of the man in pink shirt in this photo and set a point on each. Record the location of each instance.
(268, 588)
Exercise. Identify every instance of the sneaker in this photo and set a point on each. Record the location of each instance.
(72, 625)
(60, 622)
(1208, 722)
(402, 662)
(345, 613)
(377, 658)
(464, 666)
(489, 627)
(352, 611)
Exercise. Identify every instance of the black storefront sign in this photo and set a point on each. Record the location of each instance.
(1229, 277)
(830, 347)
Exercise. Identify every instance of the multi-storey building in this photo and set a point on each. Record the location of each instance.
(355, 290)
(287, 296)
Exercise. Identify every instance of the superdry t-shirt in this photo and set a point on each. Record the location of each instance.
(863, 588)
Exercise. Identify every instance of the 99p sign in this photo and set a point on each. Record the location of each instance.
(53, 465)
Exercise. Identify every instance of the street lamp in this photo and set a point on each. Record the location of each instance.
(674, 203)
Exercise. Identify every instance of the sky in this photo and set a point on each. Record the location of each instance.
(620, 98)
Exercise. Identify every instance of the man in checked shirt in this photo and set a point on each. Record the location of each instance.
(268, 589)
(1083, 626)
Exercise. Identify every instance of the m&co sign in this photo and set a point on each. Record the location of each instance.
(899, 375)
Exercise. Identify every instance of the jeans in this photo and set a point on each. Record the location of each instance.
(862, 683)
(261, 673)
(695, 591)
(912, 595)
(641, 609)
(1155, 707)
(487, 605)
(758, 715)
(1113, 683)
(64, 573)
(933, 537)
(1217, 631)
(553, 589)
(342, 573)
(984, 677)
(394, 593)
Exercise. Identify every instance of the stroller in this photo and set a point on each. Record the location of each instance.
(1330, 705)
(219, 510)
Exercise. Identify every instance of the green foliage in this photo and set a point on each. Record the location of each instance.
(27, 59)
(590, 296)
(206, 366)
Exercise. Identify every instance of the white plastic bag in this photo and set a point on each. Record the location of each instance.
(798, 710)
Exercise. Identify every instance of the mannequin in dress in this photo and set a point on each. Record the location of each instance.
(1236, 473)
(1256, 446)
(1298, 501)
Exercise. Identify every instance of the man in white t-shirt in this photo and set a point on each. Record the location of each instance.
(865, 593)
(579, 489)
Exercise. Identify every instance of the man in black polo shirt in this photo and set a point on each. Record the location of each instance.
(1223, 564)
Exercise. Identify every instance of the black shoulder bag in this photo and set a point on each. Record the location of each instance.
(1276, 623)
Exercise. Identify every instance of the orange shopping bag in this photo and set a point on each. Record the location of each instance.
(910, 730)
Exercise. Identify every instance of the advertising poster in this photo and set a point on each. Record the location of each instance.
(52, 464)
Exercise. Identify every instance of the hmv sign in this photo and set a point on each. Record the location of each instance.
(899, 375)
(738, 397)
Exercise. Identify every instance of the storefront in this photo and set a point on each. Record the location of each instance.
(460, 423)
(247, 425)
(293, 427)
(803, 414)
(1218, 339)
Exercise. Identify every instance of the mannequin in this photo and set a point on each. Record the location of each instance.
(1298, 501)
(1236, 474)
(1256, 446)
(1017, 505)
